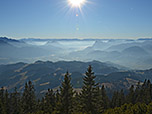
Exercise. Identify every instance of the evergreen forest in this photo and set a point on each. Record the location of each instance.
(92, 99)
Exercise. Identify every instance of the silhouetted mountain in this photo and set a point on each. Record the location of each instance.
(7, 39)
(48, 74)
(15, 50)
(148, 39)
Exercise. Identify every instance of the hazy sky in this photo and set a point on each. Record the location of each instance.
(56, 19)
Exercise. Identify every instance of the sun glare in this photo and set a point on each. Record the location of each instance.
(76, 3)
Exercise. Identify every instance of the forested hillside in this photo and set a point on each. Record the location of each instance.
(47, 74)
(92, 99)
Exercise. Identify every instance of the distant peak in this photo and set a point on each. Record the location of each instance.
(8, 39)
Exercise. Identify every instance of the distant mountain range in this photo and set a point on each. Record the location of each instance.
(48, 74)
(134, 54)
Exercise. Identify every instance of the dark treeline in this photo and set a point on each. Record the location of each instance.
(91, 100)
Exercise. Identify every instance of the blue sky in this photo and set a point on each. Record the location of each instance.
(56, 19)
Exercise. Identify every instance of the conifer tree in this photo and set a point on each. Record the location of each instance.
(146, 89)
(118, 99)
(2, 101)
(105, 98)
(66, 95)
(138, 93)
(131, 95)
(88, 95)
(49, 102)
(121, 97)
(148, 92)
(77, 103)
(6, 102)
(29, 98)
(58, 108)
(2, 94)
(99, 103)
(2, 108)
(15, 104)
(115, 100)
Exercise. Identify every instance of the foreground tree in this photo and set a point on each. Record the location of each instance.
(66, 95)
(90, 93)
(105, 99)
(48, 102)
(2, 108)
(15, 104)
(130, 98)
(28, 99)
(118, 99)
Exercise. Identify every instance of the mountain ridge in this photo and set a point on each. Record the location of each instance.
(48, 74)
(40, 72)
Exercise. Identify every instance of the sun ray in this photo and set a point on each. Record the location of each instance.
(76, 3)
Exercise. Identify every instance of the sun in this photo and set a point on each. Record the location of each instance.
(76, 3)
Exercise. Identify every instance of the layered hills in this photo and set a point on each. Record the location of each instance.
(134, 54)
(49, 74)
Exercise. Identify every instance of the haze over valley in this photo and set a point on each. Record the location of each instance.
(129, 53)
